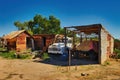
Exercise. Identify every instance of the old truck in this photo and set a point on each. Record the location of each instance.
(58, 47)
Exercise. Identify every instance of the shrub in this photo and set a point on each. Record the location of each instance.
(12, 55)
(117, 43)
(45, 56)
(25, 56)
(117, 53)
(106, 63)
(26, 51)
(116, 50)
(9, 55)
(2, 49)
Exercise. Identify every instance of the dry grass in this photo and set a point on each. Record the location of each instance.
(29, 70)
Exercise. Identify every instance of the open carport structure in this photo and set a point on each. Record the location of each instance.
(92, 32)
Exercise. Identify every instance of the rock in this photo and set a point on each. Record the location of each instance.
(84, 74)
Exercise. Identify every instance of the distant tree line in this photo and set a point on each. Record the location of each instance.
(117, 44)
(41, 25)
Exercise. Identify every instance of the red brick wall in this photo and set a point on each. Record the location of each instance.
(11, 44)
(38, 39)
(109, 45)
(21, 41)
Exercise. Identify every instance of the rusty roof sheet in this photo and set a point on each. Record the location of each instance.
(13, 34)
(88, 29)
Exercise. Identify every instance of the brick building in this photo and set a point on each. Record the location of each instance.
(21, 40)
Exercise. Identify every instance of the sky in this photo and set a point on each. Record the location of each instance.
(70, 13)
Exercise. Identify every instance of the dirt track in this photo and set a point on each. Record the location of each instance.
(29, 70)
(23, 69)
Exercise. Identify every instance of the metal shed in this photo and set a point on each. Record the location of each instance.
(105, 40)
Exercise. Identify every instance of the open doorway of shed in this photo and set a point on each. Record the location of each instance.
(86, 47)
(11, 45)
(44, 41)
(28, 43)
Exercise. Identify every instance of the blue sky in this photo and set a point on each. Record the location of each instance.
(70, 12)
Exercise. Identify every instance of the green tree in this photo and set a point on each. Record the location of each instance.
(20, 26)
(54, 25)
(117, 44)
(41, 25)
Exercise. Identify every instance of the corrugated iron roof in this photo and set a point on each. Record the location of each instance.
(88, 29)
(13, 34)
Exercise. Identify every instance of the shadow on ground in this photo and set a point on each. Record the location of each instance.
(61, 61)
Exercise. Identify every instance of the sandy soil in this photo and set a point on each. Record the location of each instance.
(30, 70)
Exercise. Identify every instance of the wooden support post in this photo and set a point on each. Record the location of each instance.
(86, 37)
(33, 47)
(73, 38)
(80, 38)
(65, 36)
(99, 39)
(69, 61)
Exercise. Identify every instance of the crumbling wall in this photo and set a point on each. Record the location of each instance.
(104, 44)
(107, 44)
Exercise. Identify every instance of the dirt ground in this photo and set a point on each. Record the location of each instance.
(31, 70)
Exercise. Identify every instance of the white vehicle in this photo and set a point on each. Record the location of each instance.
(59, 46)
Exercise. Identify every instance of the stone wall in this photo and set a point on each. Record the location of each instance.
(107, 43)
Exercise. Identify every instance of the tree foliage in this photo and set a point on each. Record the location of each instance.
(41, 25)
(117, 44)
